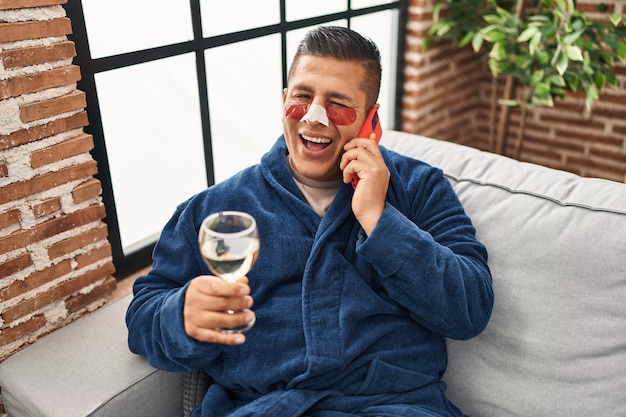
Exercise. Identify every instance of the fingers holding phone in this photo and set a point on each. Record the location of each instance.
(370, 129)
(360, 159)
(371, 126)
(363, 165)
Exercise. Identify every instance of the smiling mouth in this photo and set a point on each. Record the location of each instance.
(319, 141)
(315, 143)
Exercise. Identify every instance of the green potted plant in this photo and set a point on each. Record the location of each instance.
(546, 48)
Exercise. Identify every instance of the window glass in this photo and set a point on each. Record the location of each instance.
(153, 135)
(119, 26)
(382, 28)
(151, 119)
(233, 16)
(360, 4)
(245, 96)
(299, 9)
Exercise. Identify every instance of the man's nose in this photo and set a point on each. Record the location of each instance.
(316, 113)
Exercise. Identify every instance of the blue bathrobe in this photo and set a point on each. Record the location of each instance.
(347, 325)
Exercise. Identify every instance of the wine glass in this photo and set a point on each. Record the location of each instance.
(229, 244)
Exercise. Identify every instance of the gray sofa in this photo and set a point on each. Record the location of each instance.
(555, 346)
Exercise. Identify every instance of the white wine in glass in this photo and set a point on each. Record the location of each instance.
(229, 244)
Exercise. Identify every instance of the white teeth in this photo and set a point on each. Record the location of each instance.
(316, 140)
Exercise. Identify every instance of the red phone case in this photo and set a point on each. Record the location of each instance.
(371, 124)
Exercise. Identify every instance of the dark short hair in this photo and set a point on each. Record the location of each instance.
(344, 44)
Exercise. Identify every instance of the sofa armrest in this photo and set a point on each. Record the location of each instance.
(86, 369)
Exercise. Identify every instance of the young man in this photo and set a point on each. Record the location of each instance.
(354, 291)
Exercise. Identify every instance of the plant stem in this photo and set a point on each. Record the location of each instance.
(503, 119)
(509, 89)
(519, 142)
(492, 114)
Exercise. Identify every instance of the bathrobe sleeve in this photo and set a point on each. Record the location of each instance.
(154, 317)
(425, 251)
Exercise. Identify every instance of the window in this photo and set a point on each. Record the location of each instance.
(167, 85)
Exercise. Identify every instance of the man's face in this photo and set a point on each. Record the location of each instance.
(334, 86)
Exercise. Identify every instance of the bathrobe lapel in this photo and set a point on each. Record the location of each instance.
(324, 274)
(324, 283)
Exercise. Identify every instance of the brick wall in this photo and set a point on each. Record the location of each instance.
(447, 96)
(55, 260)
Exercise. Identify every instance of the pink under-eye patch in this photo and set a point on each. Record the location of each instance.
(296, 111)
(338, 115)
(341, 115)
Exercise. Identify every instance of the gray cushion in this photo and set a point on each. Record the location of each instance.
(556, 343)
(86, 369)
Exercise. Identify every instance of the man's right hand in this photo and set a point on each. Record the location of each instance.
(206, 301)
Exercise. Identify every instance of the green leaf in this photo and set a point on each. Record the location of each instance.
(559, 92)
(527, 34)
(493, 34)
(492, 18)
(498, 68)
(599, 81)
(522, 61)
(537, 77)
(592, 95)
(543, 57)
(561, 63)
(609, 38)
(497, 35)
(611, 79)
(477, 42)
(465, 39)
(557, 80)
(542, 96)
(539, 18)
(572, 37)
(579, 22)
(607, 58)
(498, 52)
(586, 81)
(615, 19)
(495, 67)
(542, 89)
(436, 11)
(535, 44)
(621, 51)
(574, 53)
(556, 55)
(440, 29)
(503, 13)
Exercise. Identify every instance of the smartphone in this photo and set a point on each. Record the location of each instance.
(371, 124)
